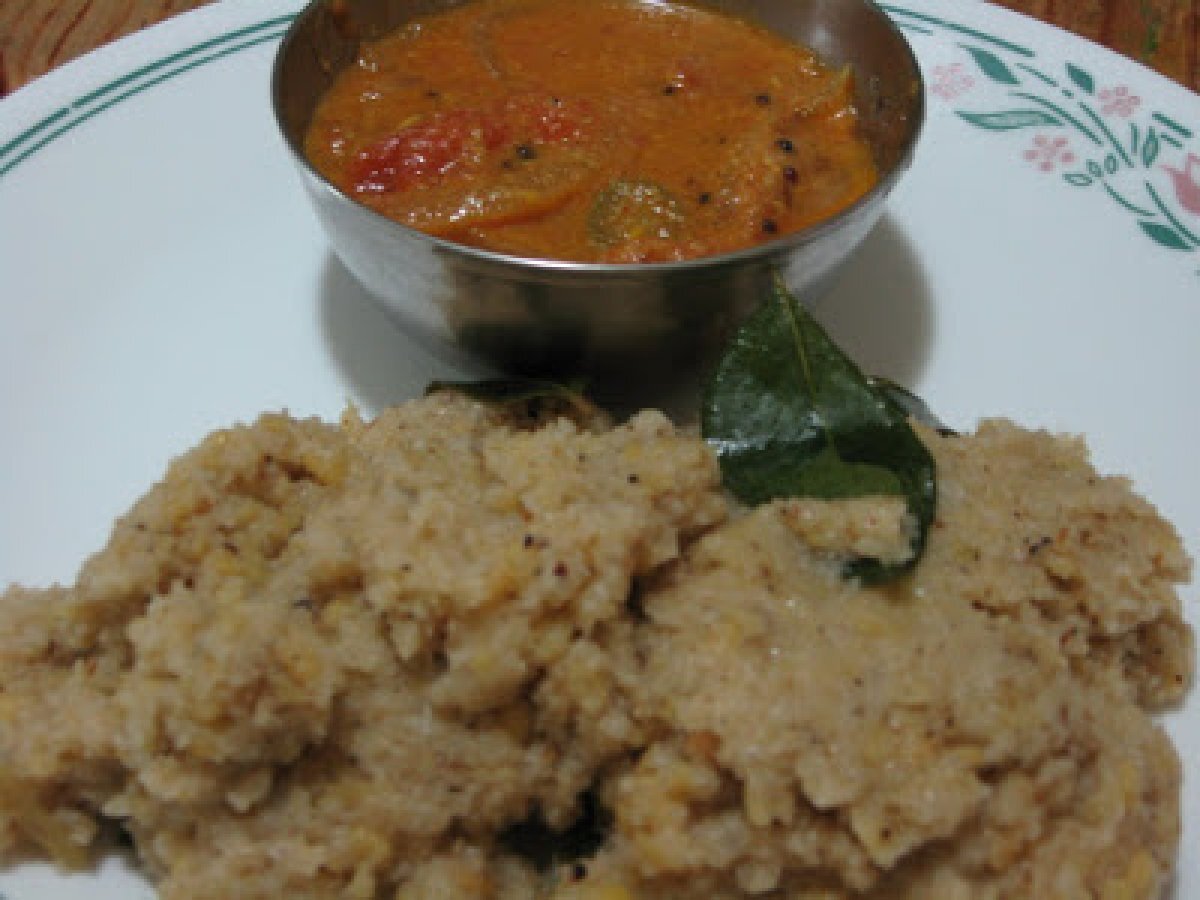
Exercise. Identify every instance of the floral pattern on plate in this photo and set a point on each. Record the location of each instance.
(1091, 134)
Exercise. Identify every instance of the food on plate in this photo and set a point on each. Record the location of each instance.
(593, 130)
(462, 651)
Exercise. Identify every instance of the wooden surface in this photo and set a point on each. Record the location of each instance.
(37, 35)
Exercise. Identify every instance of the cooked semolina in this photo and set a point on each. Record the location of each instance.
(450, 654)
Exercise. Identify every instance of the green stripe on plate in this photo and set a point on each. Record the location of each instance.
(901, 12)
(66, 118)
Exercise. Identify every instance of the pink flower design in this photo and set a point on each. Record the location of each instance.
(951, 81)
(1186, 182)
(1047, 153)
(1118, 101)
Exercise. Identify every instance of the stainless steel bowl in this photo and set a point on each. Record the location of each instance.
(631, 321)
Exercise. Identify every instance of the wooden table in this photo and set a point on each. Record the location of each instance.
(36, 35)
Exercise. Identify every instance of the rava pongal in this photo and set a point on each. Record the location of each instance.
(370, 660)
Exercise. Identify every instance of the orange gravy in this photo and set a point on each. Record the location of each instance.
(593, 130)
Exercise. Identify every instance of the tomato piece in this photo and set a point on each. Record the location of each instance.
(464, 140)
(433, 146)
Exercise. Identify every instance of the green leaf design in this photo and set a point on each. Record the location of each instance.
(1082, 79)
(1111, 165)
(1164, 235)
(992, 66)
(1078, 179)
(1094, 169)
(1150, 148)
(790, 415)
(1010, 119)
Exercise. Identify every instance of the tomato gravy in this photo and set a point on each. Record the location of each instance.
(593, 130)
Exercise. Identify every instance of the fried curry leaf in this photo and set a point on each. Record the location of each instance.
(532, 397)
(790, 415)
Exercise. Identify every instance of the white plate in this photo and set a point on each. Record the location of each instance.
(161, 275)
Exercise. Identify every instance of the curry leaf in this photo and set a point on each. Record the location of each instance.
(909, 404)
(530, 396)
(790, 415)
